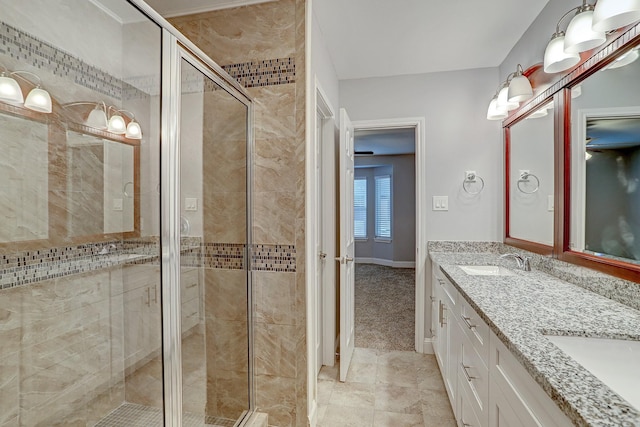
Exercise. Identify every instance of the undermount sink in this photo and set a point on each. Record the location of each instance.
(486, 270)
(612, 361)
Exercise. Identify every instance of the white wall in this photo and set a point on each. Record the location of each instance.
(458, 138)
(322, 69)
(403, 235)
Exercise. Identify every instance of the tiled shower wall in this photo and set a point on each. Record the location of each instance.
(263, 47)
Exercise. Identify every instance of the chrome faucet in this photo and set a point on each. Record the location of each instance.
(524, 262)
(107, 249)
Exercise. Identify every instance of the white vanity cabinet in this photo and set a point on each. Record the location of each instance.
(190, 297)
(446, 344)
(486, 384)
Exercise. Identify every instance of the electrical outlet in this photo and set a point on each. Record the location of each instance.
(440, 203)
(117, 204)
(191, 204)
(550, 203)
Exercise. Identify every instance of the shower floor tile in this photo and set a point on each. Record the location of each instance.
(133, 415)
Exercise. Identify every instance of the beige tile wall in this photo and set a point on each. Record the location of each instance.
(252, 33)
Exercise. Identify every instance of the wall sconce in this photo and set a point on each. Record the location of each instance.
(520, 87)
(556, 59)
(612, 14)
(580, 34)
(495, 113)
(38, 99)
(514, 90)
(625, 59)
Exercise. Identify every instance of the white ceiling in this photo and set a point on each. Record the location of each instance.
(375, 38)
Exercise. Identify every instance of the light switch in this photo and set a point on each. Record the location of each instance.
(191, 204)
(550, 203)
(440, 203)
(117, 204)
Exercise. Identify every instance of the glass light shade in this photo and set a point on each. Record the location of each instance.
(503, 100)
(117, 124)
(495, 113)
(133, 130)
(538, 113)
(519, 89)
(612, 14)
(38, 100)
(580, 36)
(555, 58)
(624, 60)
(576, 91)
(97, 119)
(10, 90)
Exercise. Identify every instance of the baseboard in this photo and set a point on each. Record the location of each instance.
(386, 262)
(313, 414)
(428, 346)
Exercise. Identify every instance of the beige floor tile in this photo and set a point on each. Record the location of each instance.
(429, 378)
(399, 358)
(394, 419)
(435, 403)
(329, 373)
(430, 421)
(324, 391)
(362, 373)
(356, 395)
(391, 398)
(365, 355)
(343, 416)
(400, 375)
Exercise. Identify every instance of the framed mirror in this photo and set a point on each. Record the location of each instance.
(529, 160)
(604, 181)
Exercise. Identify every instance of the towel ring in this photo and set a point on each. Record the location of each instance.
(470, 179)
(125, 189)
(524, 177)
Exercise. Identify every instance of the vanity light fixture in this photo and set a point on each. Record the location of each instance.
(612, 14)
(580, 35)
(117, 123)
(38, 99)
(625, 59)
(495, 113)
(97, 118)
(10, 89)
(133, 130)
(555, 57)
(538, 113)
(503, 98)
(519, 87)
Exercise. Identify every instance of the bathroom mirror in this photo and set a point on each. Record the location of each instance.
(24, 213)
(605, 163)
(530, 180)
(101, 188)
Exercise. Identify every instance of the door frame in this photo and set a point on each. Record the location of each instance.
(320, 102)
(418, 123)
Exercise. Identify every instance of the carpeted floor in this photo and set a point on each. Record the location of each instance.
(385, 307)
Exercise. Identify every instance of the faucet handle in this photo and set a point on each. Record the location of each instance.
(526, 263)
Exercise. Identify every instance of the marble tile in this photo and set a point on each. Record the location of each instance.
(243, 34)
(228, 340)
(277, 397)
(345, 416)
(275, 297)
(355, 395)
(230, 160)
(273, 160)
(231, 393)
(429, 377)
(399, 358)
(399, 375)
(391, 398)
(362, 372)
(435, 403)
(329, 373)
(325, 388)
(9, 388)
(394, 419)
(274, 218)
(275, 350)
(225, 294)
(365, 355)
(274, 108)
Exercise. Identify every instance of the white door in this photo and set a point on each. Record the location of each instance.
(347, 245)
(320, 261)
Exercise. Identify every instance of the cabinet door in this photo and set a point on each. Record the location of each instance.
(501, 413)
(135, 311)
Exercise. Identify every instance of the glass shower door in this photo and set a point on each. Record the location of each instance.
(213, 242)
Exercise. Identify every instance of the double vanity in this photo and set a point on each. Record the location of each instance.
(525, 348)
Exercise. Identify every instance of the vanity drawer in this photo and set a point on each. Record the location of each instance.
(449, 290)
(189, 280)
(473, 378)
(475, 329)
(190, 314)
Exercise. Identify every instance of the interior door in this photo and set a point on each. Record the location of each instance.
(320, 261)
(347, 246)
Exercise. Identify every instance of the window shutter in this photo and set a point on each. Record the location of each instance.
(360, 208)
(383, 206)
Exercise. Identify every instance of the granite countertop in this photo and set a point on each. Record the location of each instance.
(520, 309)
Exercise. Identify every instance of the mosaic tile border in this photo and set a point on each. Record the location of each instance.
(23, 268)
(280, 258)
(267, 72)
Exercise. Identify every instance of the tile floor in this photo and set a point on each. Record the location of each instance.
(385, 389)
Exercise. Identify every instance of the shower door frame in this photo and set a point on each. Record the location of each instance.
(176, 47)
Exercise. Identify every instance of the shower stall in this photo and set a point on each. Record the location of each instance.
(125, 225)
